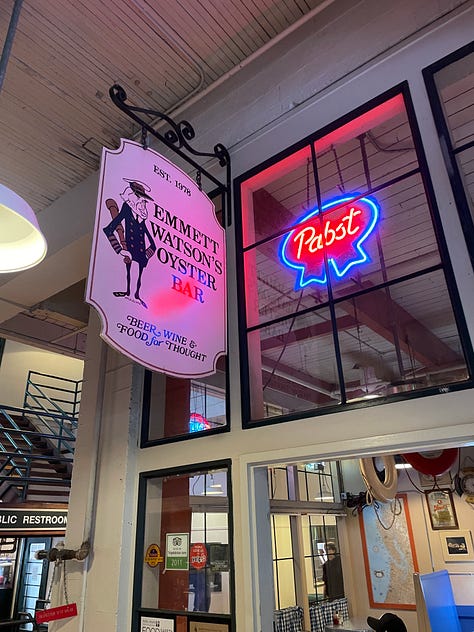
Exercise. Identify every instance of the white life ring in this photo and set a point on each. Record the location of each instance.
(385, 490)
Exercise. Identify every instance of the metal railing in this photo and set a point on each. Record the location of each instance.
(14, 624)
(53, 394)
(45, 440)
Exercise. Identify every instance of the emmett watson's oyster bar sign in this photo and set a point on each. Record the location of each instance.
(157, 271)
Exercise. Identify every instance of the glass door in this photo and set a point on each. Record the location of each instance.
(33, 577)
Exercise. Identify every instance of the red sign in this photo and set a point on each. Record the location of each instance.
(52, 614)
(157, 270)
(335, 235)
(198, 555)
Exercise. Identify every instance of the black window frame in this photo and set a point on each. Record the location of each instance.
(448, 150)
(445, 266)
(137, 610)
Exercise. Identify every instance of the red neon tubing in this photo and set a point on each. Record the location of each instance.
(432, 467)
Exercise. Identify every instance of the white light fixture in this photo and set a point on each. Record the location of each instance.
(22, 244)
(402, 466)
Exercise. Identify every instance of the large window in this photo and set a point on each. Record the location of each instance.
(305, 506)
(347, 293)
(183, 561)
(450, 84)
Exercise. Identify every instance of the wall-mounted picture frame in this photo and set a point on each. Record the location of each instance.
(457, 546)
(441, 509)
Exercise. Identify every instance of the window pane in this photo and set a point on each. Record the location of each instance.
(278, 483)
(275, 197)
(382, 135)
(174, 407)
(286, 584)
(281, 526)
(405, 339)
(456, 88)
(297, 365)
(276, 292)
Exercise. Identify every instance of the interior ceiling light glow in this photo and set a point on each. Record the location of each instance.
(22, 244)
(336, 235)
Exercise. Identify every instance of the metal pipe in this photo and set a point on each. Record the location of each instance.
(7, 47)
(193, 97)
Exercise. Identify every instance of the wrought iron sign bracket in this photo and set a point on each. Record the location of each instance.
(177, 138)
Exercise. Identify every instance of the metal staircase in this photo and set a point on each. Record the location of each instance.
(37, 441)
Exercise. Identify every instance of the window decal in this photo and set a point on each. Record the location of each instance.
(336, 234)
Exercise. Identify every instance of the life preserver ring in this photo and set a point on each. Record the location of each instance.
(432, 466)
(464, 484)
(385, 490)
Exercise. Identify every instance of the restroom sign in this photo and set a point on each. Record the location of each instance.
(157, 270)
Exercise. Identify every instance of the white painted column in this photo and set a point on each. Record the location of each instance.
(102, 505)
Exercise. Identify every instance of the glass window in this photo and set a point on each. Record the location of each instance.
(347, 296)
(175, 407)
(450, 85)
(322, 558)
(183, 554)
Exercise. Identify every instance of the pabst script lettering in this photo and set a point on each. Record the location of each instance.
(308, 240)
(334, 236)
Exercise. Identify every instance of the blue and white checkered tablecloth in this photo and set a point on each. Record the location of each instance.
(289, 619)
(316, 617)
(321, 614)
(338, 605)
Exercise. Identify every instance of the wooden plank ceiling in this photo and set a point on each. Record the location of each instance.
(56, 110)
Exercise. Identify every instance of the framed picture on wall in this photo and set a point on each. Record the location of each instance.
(389, 554)
(441, 509)
(457, 546)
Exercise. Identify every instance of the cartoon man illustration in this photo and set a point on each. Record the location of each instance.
(132, 233)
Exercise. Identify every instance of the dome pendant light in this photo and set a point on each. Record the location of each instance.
(22, 244)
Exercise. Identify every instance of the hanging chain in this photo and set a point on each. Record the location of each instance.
(307, 183)
(198, 179)
(57, 565)
(144, 138)
(339, 171)
(66, 597)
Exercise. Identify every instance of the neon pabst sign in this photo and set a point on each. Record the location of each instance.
(337, 233)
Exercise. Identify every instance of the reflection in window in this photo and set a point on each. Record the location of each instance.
(346, 295)
(175, 407)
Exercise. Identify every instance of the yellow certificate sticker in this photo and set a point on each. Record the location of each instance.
(153, 555)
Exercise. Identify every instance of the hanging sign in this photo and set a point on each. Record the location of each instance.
(24, 521)
(337, 235)
(54, 614)
(157, 269)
